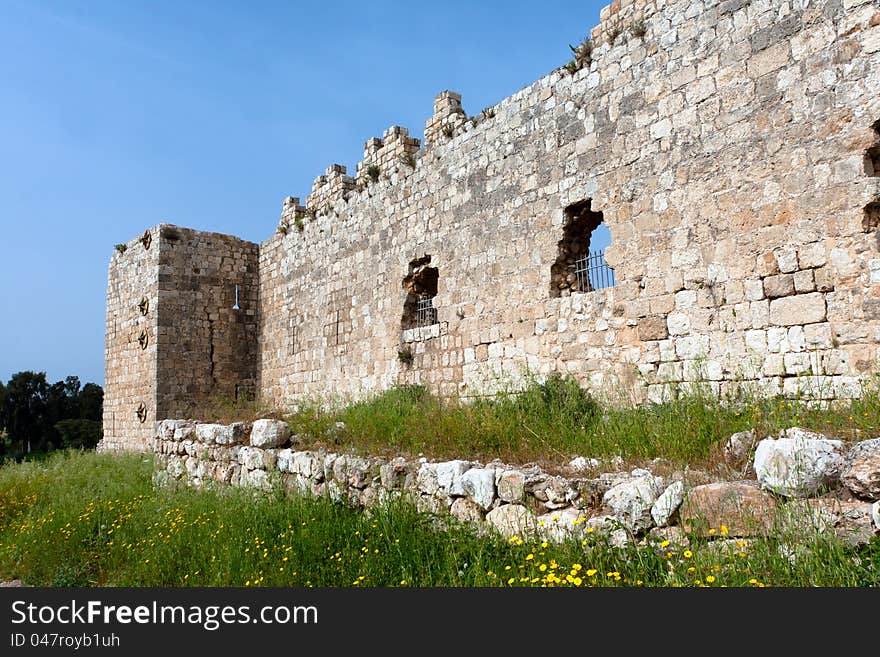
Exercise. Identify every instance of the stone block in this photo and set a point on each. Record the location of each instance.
(270, 433)
(804, 281)
(678, 323)
(786, 260)
(780, 285)
(742, 507)
(799, 309)
(653, 328)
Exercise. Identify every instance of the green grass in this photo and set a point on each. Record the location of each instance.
(554, 421)
(85, 519)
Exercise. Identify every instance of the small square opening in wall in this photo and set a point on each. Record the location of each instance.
(872, 162)
(420, 284)
(580, 264)
(871, 218)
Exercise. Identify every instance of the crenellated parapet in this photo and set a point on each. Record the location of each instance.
(447, 118)
(394, 153)
(382, 157)
(333, 186)
(293, 215)
(623, 17)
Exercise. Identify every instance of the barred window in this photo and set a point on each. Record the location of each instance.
(580, 264)
(420, 284)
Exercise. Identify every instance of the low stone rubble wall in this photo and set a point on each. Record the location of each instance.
(803, 481)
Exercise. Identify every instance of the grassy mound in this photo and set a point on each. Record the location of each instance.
(553, 421)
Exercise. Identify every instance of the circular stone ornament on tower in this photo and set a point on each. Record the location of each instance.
(147, 239)
(141, 412)
(144, 339)
(144, 305)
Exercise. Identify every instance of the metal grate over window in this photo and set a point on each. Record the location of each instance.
(426, 313)
(592, 272)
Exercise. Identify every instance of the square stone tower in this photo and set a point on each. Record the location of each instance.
(181, 329)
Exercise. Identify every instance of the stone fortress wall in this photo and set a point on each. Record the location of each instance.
(732, 148)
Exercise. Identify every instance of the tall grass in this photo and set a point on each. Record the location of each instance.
(83, 519)
(553, 421)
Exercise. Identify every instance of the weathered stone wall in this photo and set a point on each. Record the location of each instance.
(174, 340)
(130, 349)
(731, 149)
(823, 485)
(207, 349)
(724, 144)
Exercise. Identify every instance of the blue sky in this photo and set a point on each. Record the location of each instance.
(116, 116)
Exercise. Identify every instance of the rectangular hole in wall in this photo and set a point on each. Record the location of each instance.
(872, 161)
(420, 284)
(871, 218)
(580, 264)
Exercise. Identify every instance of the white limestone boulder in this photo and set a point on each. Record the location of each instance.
(850, 521)
(175, 467)
(258, 479)
(270, 433)
(738, 447)
(631, 501)
(176, 430)
(554, 492)
(283, 459)
(442, 478)
(667, 503)
(607, 528)
(466, 510)
(662, 539)
(583, 464)
(220, 434)
(510, 485)
(479, 485)
(512, 520)
(306, 464)
(255, 458)
(561, 525)
(861, 471)
(392, 475)
(799, 463)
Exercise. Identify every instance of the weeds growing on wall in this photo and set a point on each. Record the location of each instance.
(86, 519)
(638, 29)
(583, 56)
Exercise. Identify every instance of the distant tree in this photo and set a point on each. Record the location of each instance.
(24, 410)
(57, 408)
(36, 415)
(72, 386)
(2, 407)
(78, 433)
(91, 402)
(3, 440)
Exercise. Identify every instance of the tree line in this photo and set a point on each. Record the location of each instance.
(36, 415)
